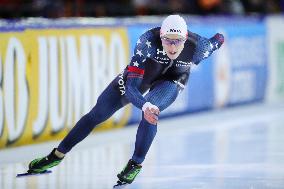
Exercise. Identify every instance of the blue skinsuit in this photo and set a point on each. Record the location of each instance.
(149, 69)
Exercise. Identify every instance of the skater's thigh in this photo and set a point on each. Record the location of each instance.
(163, 94)
(110, 99)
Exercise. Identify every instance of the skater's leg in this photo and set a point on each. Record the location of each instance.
(162, 95)
(107, 104)
(145, 134)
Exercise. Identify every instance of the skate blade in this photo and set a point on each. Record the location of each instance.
(33, 174)
(120, 185)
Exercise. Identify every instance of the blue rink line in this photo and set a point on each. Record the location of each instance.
(237, 148)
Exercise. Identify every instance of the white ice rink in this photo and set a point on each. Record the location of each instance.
(239, 148)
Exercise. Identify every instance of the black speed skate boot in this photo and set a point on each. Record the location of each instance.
(128, 174)
(41, 165)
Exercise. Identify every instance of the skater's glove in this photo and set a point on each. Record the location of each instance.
(217, 40)
(151, 112)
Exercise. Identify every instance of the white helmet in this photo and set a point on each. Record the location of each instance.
(174, 24)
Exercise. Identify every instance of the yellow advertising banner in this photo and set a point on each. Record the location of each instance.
(51, 77)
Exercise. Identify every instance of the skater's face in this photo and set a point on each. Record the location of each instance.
(173, 45)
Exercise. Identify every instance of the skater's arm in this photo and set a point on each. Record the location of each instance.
(205, 47)
(135, 70)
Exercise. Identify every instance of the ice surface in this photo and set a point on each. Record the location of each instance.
(240, 148)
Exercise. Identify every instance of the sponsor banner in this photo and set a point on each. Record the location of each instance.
(51, 77)
(241, 67)
(275, 38)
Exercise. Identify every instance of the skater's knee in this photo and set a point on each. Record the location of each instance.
(95, 115)
(98, 114)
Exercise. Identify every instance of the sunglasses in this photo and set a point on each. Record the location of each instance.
(175, 42)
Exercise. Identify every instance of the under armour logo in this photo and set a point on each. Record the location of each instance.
(159, 51)
(174, 30)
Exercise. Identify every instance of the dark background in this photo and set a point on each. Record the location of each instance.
(125, 8)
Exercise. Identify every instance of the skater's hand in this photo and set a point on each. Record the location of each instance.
(151, 115)
(151, 112)
(155, 111)
(217, 40)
